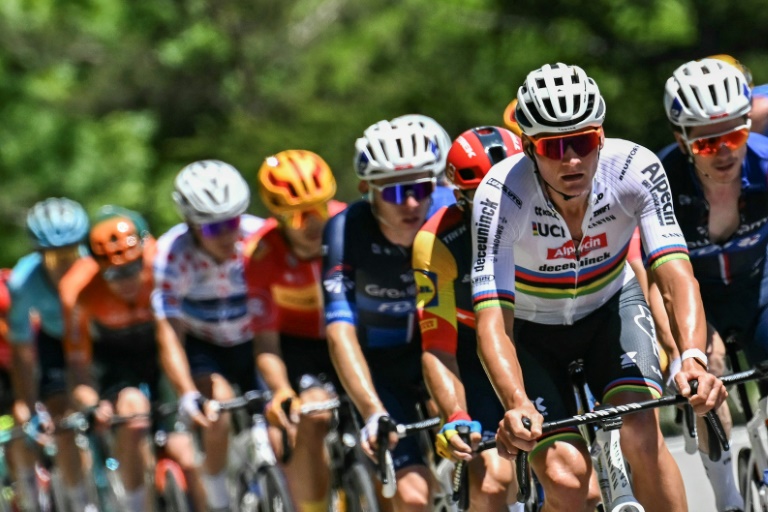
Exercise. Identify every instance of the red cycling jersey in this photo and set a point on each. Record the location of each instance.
(284, 292)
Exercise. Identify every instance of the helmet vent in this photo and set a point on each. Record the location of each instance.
(467, 174)
(496, 154)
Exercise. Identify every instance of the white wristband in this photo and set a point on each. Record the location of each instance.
(697, 354)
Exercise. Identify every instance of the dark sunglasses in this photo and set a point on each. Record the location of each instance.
(398, 193)
(554, 147)
(215, 229)
(127, 271)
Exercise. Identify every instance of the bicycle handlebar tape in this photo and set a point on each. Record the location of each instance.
(523, 472)
(386, 426)
(461, 475)
(718, 440)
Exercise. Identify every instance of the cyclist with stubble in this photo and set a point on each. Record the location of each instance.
(717, 174)
(199, 301)
(551, 232)
(370, 293)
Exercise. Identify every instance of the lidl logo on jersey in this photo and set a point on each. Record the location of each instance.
(545, 230)
(426, 288)
(568, 249)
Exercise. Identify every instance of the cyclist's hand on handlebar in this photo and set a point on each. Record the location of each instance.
(275, 410)
(710, 393)
(449, 444)
(102, 415)
(513, 436)
(190, 410)
(369, 441)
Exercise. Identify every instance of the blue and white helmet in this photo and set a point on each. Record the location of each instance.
(57, 222)
(396, 148)
(706, 91)
(434, 129)
(210, 191)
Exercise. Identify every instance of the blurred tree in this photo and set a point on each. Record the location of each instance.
(105, 100)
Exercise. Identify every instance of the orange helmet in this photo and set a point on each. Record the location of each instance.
(509, 118)
(735, 63)
(116, 241)
(295, 179)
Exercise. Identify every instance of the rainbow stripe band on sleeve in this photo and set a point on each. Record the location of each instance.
(494, 299)
(665, 254)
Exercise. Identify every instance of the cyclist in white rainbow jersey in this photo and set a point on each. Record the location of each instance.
(551, 232)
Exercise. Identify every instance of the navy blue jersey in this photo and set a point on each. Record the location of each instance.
(368, 282)
(740, 258)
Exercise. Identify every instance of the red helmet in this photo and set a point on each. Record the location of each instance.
(475, 151)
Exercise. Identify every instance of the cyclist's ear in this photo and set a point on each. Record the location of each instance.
(527, 147)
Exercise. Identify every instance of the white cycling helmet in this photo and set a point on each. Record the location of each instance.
(558, 98)
(210, 191)
(434, 129)
(706, 91)
(396, 148)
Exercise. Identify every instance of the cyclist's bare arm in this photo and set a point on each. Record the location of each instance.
(173, 359)
(499, 356)
(682, 301)
(661, 319)
(352, 368)
(441, 375)
(23, 371)
(269, 360)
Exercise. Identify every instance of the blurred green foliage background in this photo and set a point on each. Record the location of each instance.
(104, 101)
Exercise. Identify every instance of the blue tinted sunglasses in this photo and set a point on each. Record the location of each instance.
(398, 193)
(215, 229)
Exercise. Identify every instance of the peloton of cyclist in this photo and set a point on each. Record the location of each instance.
(717, 176)
(282, 271)
(551, 231)
(370, 293)
(57, 227)
(111, 330)
(199, 301)
(453, 373)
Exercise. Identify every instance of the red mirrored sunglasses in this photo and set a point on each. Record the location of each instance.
(555, 146)
(711, 144)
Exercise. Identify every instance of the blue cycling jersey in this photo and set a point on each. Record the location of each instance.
(741, 257)
(761, 90)
(31, 290)
(368, 280)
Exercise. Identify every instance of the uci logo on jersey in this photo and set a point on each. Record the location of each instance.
(546, 230)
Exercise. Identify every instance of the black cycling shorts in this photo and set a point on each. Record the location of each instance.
(617, 344)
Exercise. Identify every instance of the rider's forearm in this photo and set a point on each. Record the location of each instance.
(682, 301)
(23, 373)
(499, 355)
(661, 320)
(441, 377)
(352, 368)
(173, 359)
(269, 362)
